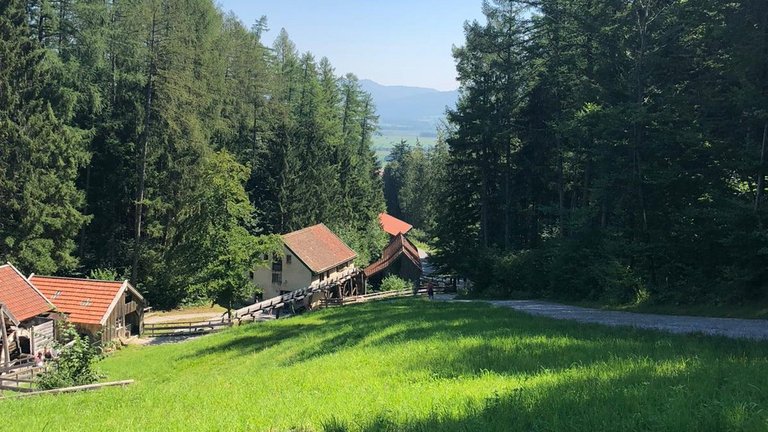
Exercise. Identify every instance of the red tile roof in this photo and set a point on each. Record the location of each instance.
(319, 248)
(21, 298)
(399, 246)
(86, 301)
(392, 225)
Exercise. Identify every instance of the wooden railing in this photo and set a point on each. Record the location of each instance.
(23, 380)
(185, 328)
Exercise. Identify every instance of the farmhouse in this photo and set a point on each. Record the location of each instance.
(399, 258)
(109, 308)
(393, 226)
(311, 256)
(29, 316)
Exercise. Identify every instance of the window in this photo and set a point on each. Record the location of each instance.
(277, 278)
(288, 259)
(56, 294)
(87, 302)
(128, 297)
(277, 265)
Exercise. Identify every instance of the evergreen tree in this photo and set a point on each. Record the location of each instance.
(39, 155)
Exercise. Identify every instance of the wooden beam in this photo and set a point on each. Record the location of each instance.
(6, 352)
(73, 389)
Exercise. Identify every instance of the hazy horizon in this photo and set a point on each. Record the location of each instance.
(393, 43)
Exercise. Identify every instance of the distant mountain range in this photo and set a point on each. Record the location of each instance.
(412, 109)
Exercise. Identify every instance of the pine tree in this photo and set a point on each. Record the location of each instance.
(39, 155)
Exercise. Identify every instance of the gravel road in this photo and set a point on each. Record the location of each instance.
(729, 327)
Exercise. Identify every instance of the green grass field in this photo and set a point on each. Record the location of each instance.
(383, 144)
(414, 365)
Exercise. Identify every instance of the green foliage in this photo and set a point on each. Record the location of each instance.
(367, 242)
(106, 274)
(74, 365)
(212, 251)
(585, 137)
(163, 139)
(413, 180)
(409, 369)
(394, 283)
(40, 154)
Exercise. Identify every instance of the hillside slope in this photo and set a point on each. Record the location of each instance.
(409, 108)
(412, 365)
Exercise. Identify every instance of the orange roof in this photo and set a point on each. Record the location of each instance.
(319, 248)
(21, 298)
(86, 301)
(392, 225)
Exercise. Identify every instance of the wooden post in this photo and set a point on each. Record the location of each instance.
(6, 353)
(32, 346)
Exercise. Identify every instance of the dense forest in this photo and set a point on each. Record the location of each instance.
(611, 150)
(162, 141)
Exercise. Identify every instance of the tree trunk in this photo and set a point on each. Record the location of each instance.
(144, 150)
(761, 171)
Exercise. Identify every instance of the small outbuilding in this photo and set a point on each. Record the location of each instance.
(111, 309)
(399, 258)
(29, 316)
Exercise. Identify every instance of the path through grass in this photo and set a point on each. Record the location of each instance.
(415, 365)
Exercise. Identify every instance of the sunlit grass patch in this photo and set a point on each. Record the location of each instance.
(419, 365)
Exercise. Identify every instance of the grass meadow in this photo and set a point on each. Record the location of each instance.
(415, 365)
(383, 144)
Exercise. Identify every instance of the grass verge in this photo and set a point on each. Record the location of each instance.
(414, 365)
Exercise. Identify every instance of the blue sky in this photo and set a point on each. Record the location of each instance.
(393, 42)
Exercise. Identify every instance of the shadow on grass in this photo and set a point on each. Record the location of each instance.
(641, 399)
(537, 343)
(573, 376)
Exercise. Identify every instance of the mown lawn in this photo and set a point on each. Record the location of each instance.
(414, 365)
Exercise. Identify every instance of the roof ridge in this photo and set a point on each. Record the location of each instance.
(80, 279)
(306, 229)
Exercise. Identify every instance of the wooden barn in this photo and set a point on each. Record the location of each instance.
(400, 258)
(29, 316)
(111, 309)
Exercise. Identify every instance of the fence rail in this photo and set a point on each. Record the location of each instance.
(184, 328)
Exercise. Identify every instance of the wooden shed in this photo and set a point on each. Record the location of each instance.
(111, 309)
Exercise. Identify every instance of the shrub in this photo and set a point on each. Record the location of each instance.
(394, 283)
(74, 365)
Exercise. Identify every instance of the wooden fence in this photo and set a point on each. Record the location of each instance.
(185, 328)
(23, 380)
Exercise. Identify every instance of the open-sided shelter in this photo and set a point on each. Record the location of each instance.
(31, 314)
(399, 258)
